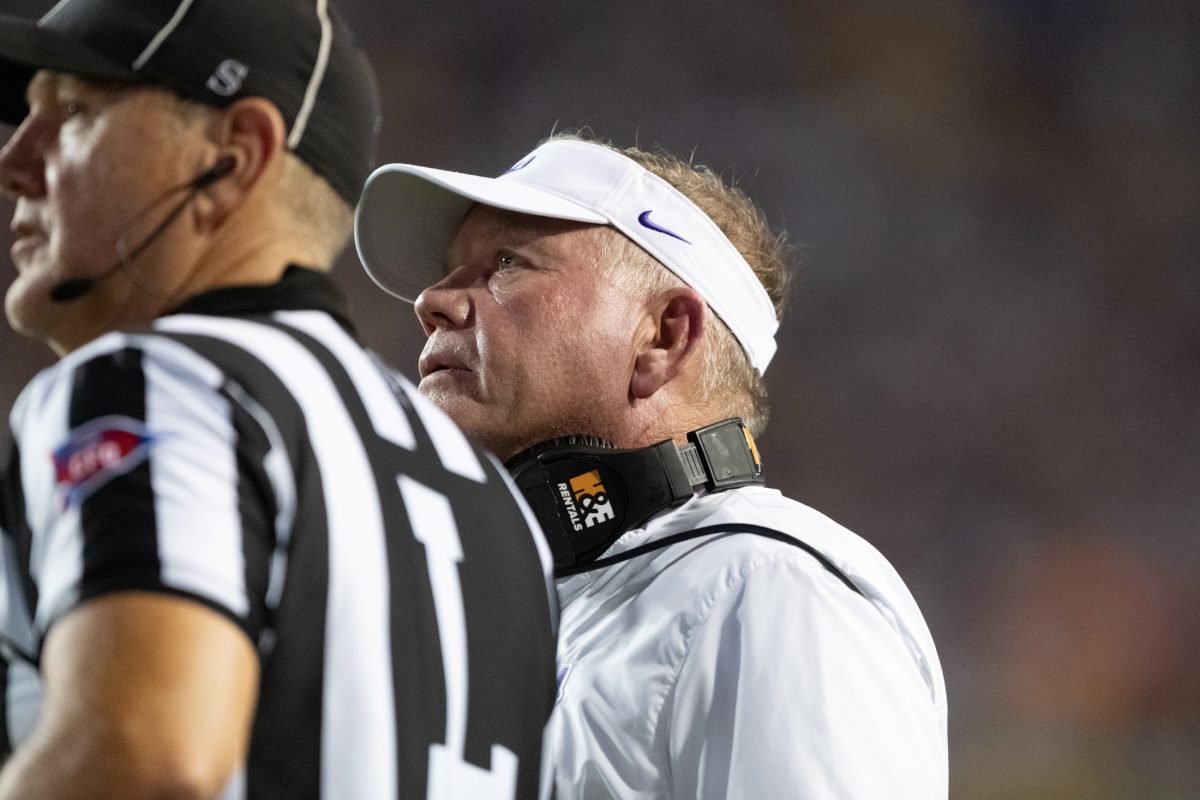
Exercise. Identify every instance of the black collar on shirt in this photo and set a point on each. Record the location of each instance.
(300, 289)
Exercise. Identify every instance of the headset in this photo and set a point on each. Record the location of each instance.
(586, 493)
(74, 288)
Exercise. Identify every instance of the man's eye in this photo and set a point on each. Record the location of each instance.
(71, 108)
(505, 260)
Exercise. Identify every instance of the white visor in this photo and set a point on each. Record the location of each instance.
(408, 215)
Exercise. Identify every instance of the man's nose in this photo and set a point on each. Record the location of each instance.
(22, 164)
(446, 304)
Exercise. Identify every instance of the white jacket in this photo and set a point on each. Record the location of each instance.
(734, 666)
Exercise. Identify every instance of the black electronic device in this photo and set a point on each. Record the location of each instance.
(586, 493)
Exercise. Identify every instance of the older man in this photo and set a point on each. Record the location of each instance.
(602, 319)
(240, 556)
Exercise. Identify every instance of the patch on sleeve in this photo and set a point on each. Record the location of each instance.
(96, 452)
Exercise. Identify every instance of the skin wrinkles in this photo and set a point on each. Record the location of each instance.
(77, 202)
(541, 347)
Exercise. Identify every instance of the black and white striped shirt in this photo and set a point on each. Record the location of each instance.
(249, 454)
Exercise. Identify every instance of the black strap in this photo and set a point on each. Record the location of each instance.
(675, 538)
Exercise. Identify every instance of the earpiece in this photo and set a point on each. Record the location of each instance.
(223, 166)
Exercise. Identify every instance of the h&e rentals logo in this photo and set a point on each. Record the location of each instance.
(585, 500)
(592, 498)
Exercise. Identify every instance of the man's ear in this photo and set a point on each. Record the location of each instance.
(674, 326)
(251, 131)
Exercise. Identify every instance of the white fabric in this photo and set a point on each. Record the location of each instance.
(357, 633)
(193, 448)
(197, 514)
(408, 215)
(739, 667)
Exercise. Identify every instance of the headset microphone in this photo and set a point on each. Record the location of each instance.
(74, 288)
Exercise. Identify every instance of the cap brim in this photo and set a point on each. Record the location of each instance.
(408, 215)
(25, 48)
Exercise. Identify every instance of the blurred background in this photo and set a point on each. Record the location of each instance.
(990, 364)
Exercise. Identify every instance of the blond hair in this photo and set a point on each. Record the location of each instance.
(324, 220)
(728, 381)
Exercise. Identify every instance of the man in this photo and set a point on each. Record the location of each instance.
(601, 318)
(241, 557)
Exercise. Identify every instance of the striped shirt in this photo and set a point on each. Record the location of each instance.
(247, 453)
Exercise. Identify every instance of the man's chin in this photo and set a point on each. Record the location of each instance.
(445, 393)
(61, 326)
(477, 420)
(26, 313)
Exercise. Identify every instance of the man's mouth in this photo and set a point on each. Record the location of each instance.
(433, 364)
(22, 249)
(26, 236)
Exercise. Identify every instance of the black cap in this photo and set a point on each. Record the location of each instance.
(295, 53)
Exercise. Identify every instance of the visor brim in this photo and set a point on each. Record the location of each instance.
(408, 215)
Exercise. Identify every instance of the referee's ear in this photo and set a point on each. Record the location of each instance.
(253, 133)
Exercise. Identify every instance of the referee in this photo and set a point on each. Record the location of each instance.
(240, 558)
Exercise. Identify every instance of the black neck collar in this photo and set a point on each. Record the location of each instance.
(586, 494)
(299, 289)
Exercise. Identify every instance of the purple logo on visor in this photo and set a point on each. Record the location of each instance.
(522, 164)
(644, 220)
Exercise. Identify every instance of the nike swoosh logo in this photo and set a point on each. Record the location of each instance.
(519, 165)
(645, 222)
